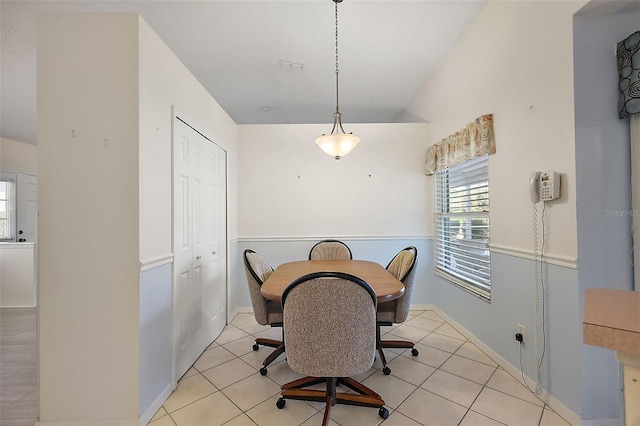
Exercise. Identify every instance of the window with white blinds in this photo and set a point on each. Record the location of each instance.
(7, 207)
(462, 225)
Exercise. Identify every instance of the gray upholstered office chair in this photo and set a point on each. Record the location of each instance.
(265, 311)
(329, 320)
(330, 250)
(403, 267)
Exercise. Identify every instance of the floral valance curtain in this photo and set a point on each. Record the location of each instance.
(475, 140)
(628, 53)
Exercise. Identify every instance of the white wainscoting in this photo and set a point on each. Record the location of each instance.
(156, 339)
(17, 275)
(278, 250)
(488, 324)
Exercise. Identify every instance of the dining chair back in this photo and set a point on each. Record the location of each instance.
(330, 250)
(403, 267)
(266, 312)
(330, 329)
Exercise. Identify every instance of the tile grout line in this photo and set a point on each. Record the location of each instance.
(375, 370)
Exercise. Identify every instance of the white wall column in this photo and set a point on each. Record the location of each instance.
(88, 289)
(635, 196)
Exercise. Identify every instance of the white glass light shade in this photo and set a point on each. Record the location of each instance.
(338, 144)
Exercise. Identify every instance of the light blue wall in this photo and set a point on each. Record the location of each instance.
(493, 323)
(603, 188)
(237, 284)
(512, 303)
(156, 342)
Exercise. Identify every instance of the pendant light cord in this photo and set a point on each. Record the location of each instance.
(338, 143)
(337, 69)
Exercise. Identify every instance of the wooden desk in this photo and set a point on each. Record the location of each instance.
(386, 286)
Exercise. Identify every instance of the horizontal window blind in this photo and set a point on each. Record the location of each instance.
(462, 225)
(7, 203)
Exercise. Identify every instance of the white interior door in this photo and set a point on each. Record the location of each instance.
(221, 230)
(206, 243)
(27, 208)
(198, 290)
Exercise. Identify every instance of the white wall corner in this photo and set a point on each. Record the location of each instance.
(240, 310)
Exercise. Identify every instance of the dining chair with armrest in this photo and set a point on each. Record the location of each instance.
(403, 267)
(265, 311)
(329, 320)
(330, 250)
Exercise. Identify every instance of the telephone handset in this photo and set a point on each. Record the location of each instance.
(544, 186)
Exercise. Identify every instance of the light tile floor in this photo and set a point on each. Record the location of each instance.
(451, 382)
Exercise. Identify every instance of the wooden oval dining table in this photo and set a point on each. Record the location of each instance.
(384, 284)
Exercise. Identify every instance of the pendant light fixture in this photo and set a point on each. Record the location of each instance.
(338, 143)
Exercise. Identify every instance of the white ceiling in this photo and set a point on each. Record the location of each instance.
(241, 51)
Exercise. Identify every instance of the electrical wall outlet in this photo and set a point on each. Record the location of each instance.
(521, 331)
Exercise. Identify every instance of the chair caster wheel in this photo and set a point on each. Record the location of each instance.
(256, 347)
(414, 352)
(386, 370)
(281, 402)
(384, 413)
(263, 371)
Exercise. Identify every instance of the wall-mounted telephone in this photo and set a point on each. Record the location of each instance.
(544, 186)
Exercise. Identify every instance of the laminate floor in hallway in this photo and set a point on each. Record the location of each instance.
(18, 370)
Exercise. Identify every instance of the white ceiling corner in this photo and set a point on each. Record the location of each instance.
(235, 48)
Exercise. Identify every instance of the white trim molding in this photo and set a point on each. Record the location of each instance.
(603, 422)
(91, 423)
(240, 310)
(146, 417)
(13, 245)
(154, 262)
(634, 125)
(277, 239)
(552, 259)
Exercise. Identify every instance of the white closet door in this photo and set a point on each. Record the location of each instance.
(221, 229)
(206, 248)
(196, 292)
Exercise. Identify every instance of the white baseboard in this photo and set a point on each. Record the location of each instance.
(422, 307)
(562, 410)
(155, 405)
(145, 418)
(240, 310)
(603, 422)
(91, 423)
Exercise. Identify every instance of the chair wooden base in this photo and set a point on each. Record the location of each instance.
(278, 344)
(364, 397)
(397, 344)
